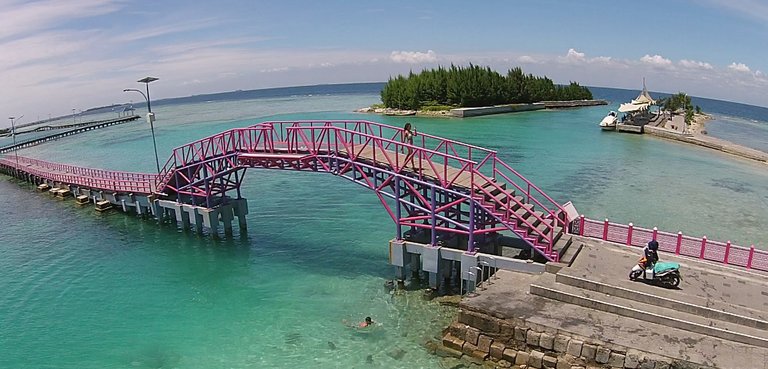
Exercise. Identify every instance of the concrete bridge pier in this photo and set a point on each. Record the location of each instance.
(210, 219)
(415, 266)
(445, 270)
(227, 215)
(185, 223)
(397, 256)
(469, 272)
(430, 263)
(240, 208)
(196, 216)
(202, 218)
(434, 260)
(171, 215)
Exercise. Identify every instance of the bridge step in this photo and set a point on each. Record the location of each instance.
(562, 245)
(494, 190)
(536, 220)
(524, 212)
(547, 286)
(271, 156)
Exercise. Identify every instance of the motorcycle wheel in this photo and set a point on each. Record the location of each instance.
(672, 280)
(634, 274)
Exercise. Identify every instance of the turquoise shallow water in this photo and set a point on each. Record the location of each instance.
(83, 290)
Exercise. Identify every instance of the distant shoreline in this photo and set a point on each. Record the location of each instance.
(697, 135)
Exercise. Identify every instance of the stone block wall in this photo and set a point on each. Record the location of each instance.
(505, 343)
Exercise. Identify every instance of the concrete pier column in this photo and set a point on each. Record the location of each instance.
(210, 219)
(430, 263)
(240, 207)
(415, 266)
(160, 213)
(226, 215)
(198, 219)
(468, 271)
(397, 257)
(444, 276)
(185, 223)
(170, 215)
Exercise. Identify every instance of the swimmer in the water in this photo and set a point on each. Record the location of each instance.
(368, 321)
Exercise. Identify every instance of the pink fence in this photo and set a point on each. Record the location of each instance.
(676, 243)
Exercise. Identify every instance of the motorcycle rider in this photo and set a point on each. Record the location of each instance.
(650, 256)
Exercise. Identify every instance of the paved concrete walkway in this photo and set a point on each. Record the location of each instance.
(704, 284)
(709, 284)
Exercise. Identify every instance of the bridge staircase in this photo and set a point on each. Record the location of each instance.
(526, 216)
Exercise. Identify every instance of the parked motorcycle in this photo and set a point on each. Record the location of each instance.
(663, 273)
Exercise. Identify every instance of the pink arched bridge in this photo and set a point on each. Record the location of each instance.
(436, 185)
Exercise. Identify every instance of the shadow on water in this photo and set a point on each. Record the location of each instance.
(731, 184)
(155, 357)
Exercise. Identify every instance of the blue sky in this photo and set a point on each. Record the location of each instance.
(56, 55)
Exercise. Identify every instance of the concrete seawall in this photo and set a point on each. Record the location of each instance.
(573, 103)
(709, 142)
(513, 108)
(496, 109)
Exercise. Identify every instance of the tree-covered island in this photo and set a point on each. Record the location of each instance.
(474, 86)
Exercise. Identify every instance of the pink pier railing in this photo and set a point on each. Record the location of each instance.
(87, 177)
(676, 243)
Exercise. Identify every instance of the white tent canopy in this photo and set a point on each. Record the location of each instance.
(644, 97)
(631, 107)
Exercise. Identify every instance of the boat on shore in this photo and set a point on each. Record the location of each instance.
(634, 114)
(609, 122)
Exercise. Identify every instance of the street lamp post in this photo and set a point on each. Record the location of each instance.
(150, 115)
(15, 149)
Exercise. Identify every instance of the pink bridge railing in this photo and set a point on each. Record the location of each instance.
(86, 177)
(676, 243)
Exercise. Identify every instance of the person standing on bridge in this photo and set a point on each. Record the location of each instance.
(406, 137)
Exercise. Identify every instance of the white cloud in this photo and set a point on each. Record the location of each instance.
(527, 59)
(656, 61)
(575, 56)
(413, 57)
(739, 67)
(44, 46)
(602, 59)
(165, 29)
(23, 18)
(755, 9)
(273, 70)
(693, 64)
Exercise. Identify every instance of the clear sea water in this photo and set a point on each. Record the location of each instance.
(88, 290)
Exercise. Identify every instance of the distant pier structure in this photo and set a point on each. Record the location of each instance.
(64, 131)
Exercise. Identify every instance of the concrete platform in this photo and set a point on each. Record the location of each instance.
(732, 290)
(707, 320)
(649, 312)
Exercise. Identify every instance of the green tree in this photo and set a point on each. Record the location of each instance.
(474, 86)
